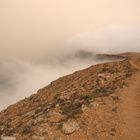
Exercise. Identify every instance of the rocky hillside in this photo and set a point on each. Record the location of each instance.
(83, 105)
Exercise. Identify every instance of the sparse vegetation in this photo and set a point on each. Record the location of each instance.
(25, 130)
(65, 99)
(85, 97)
(71, 109)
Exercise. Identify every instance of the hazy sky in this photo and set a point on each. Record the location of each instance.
(39, 39)
(29, 26)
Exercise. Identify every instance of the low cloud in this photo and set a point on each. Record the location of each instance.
(22, 76)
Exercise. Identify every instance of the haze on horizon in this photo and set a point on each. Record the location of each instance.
(35, 36)
(32, 26)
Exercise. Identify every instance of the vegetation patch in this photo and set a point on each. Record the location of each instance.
(26, 130)
(71, 109)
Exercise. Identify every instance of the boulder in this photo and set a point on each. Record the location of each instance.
(70, 127)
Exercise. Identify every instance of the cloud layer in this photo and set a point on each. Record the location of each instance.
(22, 75)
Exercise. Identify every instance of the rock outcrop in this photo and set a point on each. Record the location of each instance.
(82, 105)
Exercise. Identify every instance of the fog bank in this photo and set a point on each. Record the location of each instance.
(22, 75)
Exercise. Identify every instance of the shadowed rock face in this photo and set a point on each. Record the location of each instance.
(82, 54)
(72, 105)
(109, 57)
(88, 55)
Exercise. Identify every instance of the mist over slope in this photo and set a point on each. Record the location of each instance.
(21, 75)
(18, 78)
(84, 105)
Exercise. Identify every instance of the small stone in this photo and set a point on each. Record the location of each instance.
(114, 109)
(29, 114)
(84, 107)
(1, 128)
(55, 117)
(40, 119)
(112, 134)
(113, 131)
(95, 105)
(64, 97)
(42, 132)
(7, 138)
(70, 127)
(57, 105)
(37, 138)
(38, 110)
(115, 98)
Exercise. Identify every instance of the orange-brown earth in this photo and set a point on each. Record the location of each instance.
(101, 102)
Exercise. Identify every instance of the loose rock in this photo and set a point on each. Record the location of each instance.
(70, 127)
(7, 138)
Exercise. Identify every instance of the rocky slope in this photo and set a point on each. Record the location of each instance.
(85, 105)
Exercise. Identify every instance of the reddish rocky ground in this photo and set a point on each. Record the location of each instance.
(101, 102)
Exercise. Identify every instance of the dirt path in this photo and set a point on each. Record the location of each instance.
(130, 108)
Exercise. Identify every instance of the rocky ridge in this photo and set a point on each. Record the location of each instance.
(82, 105)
